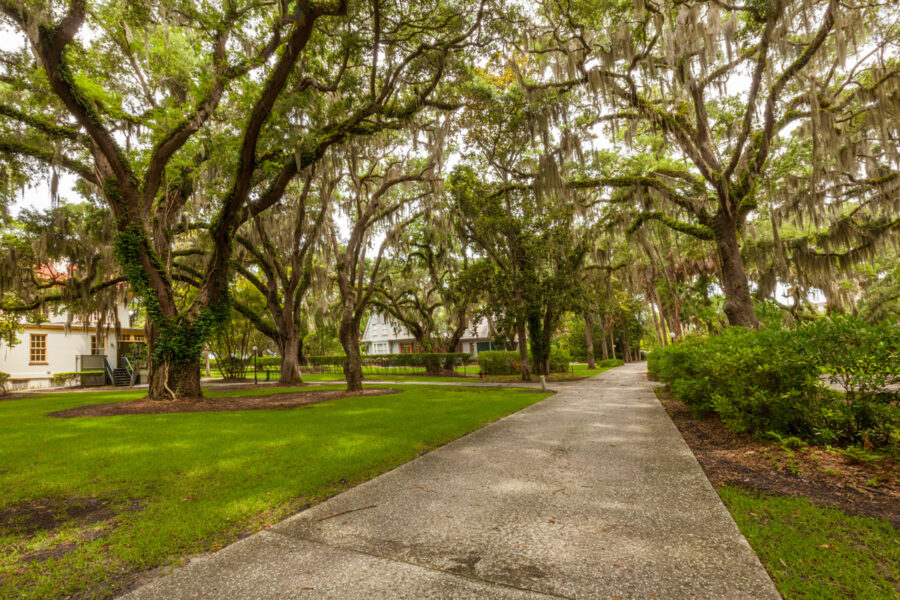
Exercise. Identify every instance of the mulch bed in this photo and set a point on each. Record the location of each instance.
(145, 406)
(826, 477)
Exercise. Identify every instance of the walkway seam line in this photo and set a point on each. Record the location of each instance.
(426, 567)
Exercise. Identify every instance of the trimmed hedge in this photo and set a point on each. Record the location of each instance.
(430, 360)
(68, 377)
(506, 362)
(770, 381)
(559, 360)
(499, 362)
(610, 362)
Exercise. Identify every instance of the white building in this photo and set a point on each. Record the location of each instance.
(59, 346)
(384, 335)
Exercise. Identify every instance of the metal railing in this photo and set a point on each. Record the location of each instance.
(132, 372)
(108, 371)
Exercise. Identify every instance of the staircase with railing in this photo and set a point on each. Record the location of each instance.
(122, 376)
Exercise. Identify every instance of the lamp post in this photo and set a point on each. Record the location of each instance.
(254, 366)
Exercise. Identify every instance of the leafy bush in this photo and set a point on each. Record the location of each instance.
(559, 360)
(264, 362)
(610, 362)
(769, 380)
(499, 362)
(233, 367)
(432, 361)
(4, 383)
(70, 377)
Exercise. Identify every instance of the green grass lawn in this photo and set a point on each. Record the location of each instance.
(134, 492)
(815, 552)
(576, 371)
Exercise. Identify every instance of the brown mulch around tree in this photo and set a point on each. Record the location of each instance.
(824, 476)
(145, 406)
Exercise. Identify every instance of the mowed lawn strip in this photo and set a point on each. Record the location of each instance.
(818, 553)
(85, 502)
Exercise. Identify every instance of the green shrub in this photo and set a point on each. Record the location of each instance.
(4, 383)
(499, 362)
(233, 367)
(559, 360)
(432, 361)
(610, 362)
(266, 361)
(769, 380)
(70, 377)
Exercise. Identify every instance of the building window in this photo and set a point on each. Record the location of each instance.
(38, 353)
(95, 350)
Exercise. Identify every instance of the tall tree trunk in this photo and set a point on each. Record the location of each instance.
(539, 351)
(662, 317)
(738, 302)
(523, 351)
(626, 348)
(170, 381)
(290, 357)
(549, 326)
(659, 334)
(612, 343)
(589, 339)
(604, 352)
(349, 336)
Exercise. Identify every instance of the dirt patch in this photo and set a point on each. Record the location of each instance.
(145, 406)
(826, 477)
(55, 552)
(47, 514)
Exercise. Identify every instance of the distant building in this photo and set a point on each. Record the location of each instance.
(60, 345)
(384, 335)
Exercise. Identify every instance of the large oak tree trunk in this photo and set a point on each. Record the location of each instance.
(523, 351)
(738, 302)
(589, 340)
(603, 350)
(290, 357)
(171, 382)
(168, 380)
(349, 336)
(540, 351)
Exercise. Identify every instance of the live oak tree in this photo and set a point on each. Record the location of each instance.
(725, 85)
(173, 111)
(60, 259)
(536, 249)
(424, 288)
(384, 189)
(280, 256)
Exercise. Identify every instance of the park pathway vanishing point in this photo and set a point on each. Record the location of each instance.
(591, 493)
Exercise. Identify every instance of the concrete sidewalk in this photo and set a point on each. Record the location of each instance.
(591, 493)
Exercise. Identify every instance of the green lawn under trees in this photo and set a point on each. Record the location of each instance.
(127, 493)
(818, 553)
(471, 372)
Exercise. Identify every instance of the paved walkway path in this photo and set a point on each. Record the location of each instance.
(591, 493)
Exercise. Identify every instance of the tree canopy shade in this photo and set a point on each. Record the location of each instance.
(598, 151)
(821, 85)
(426, 289)
(170, 111)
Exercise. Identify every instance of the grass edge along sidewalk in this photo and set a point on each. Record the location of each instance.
(98, 500)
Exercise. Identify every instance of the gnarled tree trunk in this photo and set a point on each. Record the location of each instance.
(738, 302)
(523, 351)
(349, 336)
(589, 340)
(290, 357)
(170, 381)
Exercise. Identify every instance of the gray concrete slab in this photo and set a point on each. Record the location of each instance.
(591, 493)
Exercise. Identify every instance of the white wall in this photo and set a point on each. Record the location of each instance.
(62, 348)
